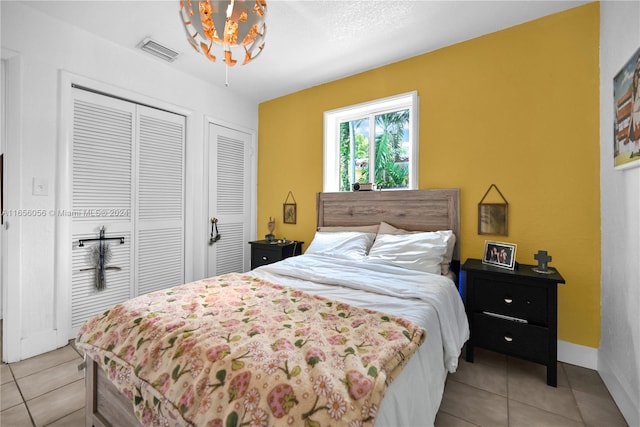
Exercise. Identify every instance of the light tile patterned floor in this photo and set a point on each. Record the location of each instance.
(48, 390)
(498, 390)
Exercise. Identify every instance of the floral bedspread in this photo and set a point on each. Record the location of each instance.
(235, 350)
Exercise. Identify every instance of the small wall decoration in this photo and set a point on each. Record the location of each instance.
(100, 256)
(626, 123)
(543, 259)
(492, 217)
(289, 210)
(215, 234)
(500, 254)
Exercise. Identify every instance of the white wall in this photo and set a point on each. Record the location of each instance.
(619, 353)
(37, 49)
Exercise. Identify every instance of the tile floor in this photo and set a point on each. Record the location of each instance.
(498, 390)
(48, 390)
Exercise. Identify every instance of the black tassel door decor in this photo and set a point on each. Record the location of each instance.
(100, 257)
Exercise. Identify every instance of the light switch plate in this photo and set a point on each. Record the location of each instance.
(40, 187)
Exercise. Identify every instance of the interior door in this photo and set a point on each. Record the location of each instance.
(128, 187)
(103, 175)
(159, 232)
(229, 204)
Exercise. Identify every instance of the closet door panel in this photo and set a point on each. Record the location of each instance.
(160, 196)
(102, 160)
(229, 169)
(128, 177)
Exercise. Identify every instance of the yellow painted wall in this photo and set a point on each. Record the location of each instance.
(518, 108)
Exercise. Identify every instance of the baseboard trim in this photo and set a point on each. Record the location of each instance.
(576, 354)
(630, 411)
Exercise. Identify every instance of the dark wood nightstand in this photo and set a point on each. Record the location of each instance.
(263, 252)
(513, 312)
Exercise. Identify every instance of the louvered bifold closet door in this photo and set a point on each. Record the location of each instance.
(229, 193)
(102, 161)
(160, 213)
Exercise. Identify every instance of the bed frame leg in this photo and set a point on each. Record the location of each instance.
(90, 379)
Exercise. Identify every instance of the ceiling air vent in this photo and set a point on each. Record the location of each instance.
(158, 50)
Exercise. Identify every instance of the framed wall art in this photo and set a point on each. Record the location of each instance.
(500, 254)
(626, 121)
(493, 217)
(289, 210)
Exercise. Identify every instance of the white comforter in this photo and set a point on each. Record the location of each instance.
(429, 300)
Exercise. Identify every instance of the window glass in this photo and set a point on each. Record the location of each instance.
(372, 143)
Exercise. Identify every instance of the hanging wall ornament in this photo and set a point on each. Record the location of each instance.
(100, 256)
(289, 210)
(492, 217)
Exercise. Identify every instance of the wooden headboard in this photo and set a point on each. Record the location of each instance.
(415, 210)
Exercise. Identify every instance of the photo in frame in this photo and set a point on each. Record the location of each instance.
(500, 254)
(492, 219)
(289, 210)
(626, 121)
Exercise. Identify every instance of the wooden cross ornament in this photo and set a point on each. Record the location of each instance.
(542, 259)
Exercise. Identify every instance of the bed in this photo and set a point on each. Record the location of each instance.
(393, 375)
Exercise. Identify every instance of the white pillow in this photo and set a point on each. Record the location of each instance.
(414, 251)
(450, 240)
(343, 244)
(447, 236)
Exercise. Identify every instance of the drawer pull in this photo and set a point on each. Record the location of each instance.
(264, 258)
(508, 300)
(508, 338)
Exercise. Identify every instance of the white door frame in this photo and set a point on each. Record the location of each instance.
(3, 148)
(11, 243)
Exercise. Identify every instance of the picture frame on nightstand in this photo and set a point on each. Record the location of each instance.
(500, 254)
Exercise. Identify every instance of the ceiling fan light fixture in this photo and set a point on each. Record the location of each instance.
(158, 50)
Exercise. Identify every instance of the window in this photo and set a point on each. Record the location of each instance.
(374, 142)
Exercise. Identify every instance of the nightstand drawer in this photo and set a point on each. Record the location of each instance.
(263, 257)
(263, 252)
(510, 337)
(516, 300)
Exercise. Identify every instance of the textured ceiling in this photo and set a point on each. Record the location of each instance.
(308, 42)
